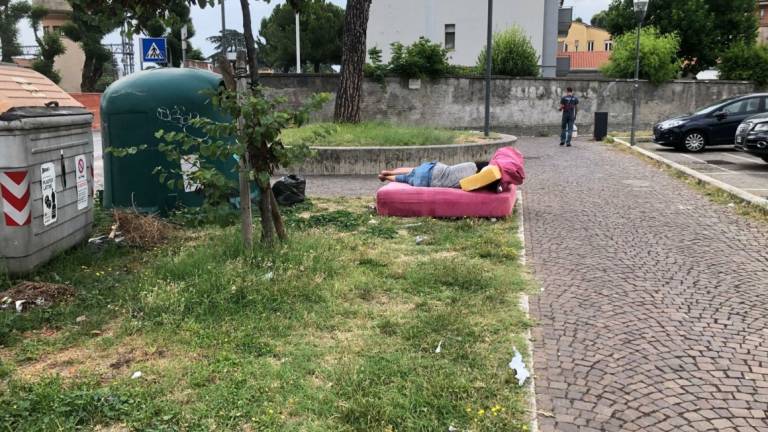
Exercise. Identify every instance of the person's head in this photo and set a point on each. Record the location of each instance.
(480, 165)
(569, 90)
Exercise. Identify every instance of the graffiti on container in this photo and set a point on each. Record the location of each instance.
(181, 118)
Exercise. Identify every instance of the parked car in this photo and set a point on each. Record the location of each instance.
(752, 136)
(710, 126)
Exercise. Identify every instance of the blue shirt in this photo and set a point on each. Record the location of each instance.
(421, 176)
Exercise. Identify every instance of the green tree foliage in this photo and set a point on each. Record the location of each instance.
(706, 27)
(599, 19)
(658, 56)
(258, 136)
(745, 62)
(513, 54)
(233, 40)
(322, 27)
(50, 45)
(10, 15)
(88, 27)
(169, 26)
(422, 59)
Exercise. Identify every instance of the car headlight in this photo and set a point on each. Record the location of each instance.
(761, 127)
(669, 124)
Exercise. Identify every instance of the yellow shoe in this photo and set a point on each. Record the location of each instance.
(486, 176)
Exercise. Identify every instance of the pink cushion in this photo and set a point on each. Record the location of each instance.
(400, 199)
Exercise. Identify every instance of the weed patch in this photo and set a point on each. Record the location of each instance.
(336, 330)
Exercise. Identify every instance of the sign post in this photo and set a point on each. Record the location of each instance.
(154, 50)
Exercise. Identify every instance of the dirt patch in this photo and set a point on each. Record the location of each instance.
(138, 230)
(35, 294)
(118, 361)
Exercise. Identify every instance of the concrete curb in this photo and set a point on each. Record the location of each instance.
(340, 161)
(746, 196)
(525, 305)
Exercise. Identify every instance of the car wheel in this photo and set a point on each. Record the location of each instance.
(694, 141)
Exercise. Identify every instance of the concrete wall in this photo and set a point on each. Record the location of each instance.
(406, 20)
(519, 106)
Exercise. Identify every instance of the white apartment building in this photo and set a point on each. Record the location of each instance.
(461, 25)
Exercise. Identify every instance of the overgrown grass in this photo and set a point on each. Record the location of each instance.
(376, 134)
(334, 331)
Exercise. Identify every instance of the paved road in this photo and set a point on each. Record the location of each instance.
(726, 164)
(654, 312)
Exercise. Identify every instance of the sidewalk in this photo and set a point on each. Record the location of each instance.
(654, 312)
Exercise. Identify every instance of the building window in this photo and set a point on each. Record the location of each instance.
(591, 46)
(450, 36)
(576, 46)
(609, 45)
(565, 47)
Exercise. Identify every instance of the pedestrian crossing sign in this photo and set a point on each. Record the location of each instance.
(153, 50)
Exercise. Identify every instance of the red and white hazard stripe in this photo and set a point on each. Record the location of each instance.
(14, 189)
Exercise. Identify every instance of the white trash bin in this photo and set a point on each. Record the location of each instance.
(46, 170)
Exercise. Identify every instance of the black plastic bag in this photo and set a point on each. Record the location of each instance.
(290, 190)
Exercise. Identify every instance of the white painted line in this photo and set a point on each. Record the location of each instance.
(525, 305)
(746, 196)
(748, 159)
(750, 189)
(741, 172)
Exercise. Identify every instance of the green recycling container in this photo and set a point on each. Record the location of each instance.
(132, 110)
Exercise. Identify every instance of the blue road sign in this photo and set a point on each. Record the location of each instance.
(153, 50)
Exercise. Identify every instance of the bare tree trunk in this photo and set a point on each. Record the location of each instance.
(352, 60)
(246, 214)
(265, 209)
(250, 43)
(277, 218)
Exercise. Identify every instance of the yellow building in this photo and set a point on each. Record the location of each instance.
(69, 64)
(586, 38)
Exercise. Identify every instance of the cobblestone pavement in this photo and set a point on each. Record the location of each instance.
(343, 186)
(653, 312)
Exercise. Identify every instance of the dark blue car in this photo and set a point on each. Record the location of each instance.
(710, 126)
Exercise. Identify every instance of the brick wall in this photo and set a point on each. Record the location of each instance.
(92, 101)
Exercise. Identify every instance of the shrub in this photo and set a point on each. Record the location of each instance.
(463, 71)
(423, 59)
(745, 62)
(658, 56)
(375, 70)
(513, 54)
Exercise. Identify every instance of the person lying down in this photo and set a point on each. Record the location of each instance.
(467, 176)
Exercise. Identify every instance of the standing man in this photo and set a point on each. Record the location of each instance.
(569, 105)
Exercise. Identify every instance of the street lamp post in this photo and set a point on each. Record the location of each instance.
(641, 6)
(488, 66)
(223, 30)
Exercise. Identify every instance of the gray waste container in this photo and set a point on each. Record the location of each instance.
(46, 170)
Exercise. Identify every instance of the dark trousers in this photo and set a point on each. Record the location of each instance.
(567, 128)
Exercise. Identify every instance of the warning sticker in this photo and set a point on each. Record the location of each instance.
(48, 185)
(81, 179)
(190, 164)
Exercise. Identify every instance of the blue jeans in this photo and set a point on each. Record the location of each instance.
(567, 129)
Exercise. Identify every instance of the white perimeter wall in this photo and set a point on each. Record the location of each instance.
(406, 20)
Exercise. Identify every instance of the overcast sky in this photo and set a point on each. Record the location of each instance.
(208, 21)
